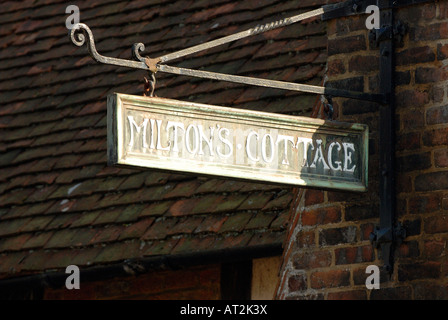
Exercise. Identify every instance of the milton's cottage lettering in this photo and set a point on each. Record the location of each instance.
(173, 135)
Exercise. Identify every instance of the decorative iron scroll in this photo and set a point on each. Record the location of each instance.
(81, 33)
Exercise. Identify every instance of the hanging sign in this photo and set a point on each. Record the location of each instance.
(165, 134)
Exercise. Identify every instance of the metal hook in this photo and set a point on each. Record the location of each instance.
(150, 85)
(152, 66)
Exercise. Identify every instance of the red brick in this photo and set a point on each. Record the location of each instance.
(424, 204)
(442, 51)
(408, 141)
(305, 239)
(432, 181)
(366, 230)
(353, 83)
(418, 13)
(435, 137)
(441, 158)
(413, 227)
(413, 162)
(404, 183)
(313, 197)
(421, 270)
(436, 224)
(433, 31)
(409, 249)
(361, 212)
(434, 248)
(363, 64)
(334, 236)
(312, 260)
(352, 107)
(297, 283)
(412, 120)
(438, 94)
(445, 202)
(346, 44)
(348, 295)
(443, 11)
(321, 216)
(415, 55)
(336, 67)
(346, 25)
(394, 293)
(430, 291)
(330, 279)
(412, 98)
(353, 255)
(430, 75)
(437, 115)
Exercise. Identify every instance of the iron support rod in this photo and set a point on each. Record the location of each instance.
(273, 83)
(241, 35)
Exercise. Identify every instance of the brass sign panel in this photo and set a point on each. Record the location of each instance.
(187, 137)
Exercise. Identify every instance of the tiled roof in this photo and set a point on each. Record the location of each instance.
(60, 203)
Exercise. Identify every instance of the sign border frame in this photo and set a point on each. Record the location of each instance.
(115, 105)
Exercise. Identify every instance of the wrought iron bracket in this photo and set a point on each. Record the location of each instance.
(396, 32)
(81, 34)
(387, 239)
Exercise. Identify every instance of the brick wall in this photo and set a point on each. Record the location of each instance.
(328, 246)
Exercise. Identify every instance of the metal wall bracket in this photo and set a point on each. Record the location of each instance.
(395, 32)
(387, 239)
(81, 34)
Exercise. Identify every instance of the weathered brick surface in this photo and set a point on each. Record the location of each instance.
(333, 250)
